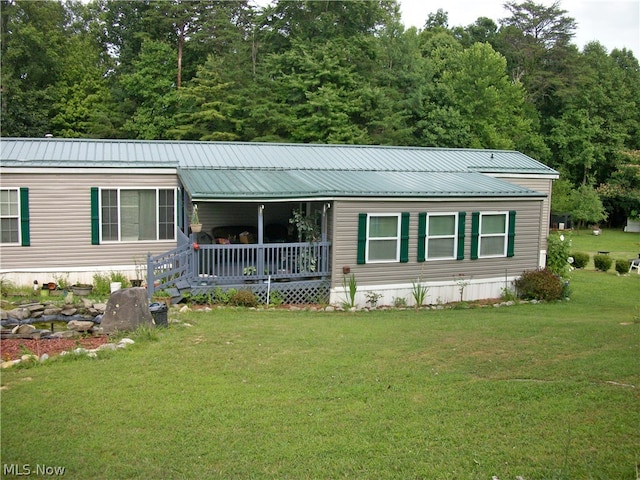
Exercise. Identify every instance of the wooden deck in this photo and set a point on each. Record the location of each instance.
(298, 271)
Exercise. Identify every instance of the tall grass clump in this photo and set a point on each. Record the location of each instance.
(350, 287)
(419, 293)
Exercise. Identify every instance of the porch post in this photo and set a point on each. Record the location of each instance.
(323, 233)
(260, 248)
(260, 224)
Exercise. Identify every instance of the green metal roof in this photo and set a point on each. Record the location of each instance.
(278, 184)
(226, 170)
(76, 153)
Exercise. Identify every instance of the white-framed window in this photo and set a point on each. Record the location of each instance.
(9, 216)
(137, 214)
(441, 239)
(383, 238)
(493, 231)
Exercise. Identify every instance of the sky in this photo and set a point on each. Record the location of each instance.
(614, 23)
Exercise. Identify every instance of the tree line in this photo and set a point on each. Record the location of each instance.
(329, 72)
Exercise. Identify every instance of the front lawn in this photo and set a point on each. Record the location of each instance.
(619, 244)
(537, 391)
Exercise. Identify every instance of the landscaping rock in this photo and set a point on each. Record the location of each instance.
(24, 329)
(67, 334)
(79, 325)
(87, 303)
(100, 307)
(127, 309)
(19, 313)
(9, 363)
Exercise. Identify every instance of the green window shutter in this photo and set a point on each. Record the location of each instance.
(422, 235)
(512, 234)
(95, 217)
(25, 224)
(475, 234)
(404, 237)
(362, 238)
(461, 226)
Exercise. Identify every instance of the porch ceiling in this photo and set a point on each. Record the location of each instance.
(209, 184)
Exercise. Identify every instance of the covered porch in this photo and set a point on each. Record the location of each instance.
(283, 247)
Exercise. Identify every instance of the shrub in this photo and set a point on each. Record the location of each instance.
(622, 266)
(7, 287)
(580, 259)
(602, 262)
(102, 282)
(558, 246)
(539, 285)
(373, 298)
(222, 297)
(119, 277)
(399, 302)
(275, 298)
(243, 298)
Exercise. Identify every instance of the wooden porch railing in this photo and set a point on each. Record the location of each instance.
(237, 263)
(168, 269)
(280, 261)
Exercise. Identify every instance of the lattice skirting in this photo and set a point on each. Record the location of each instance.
(294, 293)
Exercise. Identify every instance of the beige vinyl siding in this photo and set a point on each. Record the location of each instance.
(542, 185)
(60, 213)
(345, 227)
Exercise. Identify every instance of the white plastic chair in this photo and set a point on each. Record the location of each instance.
(635, 265)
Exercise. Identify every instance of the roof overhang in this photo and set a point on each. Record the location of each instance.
(264, 185)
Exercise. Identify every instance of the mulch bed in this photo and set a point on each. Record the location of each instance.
(13, 349)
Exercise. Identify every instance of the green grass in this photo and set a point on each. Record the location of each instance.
(539, 391)
(620, 244)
